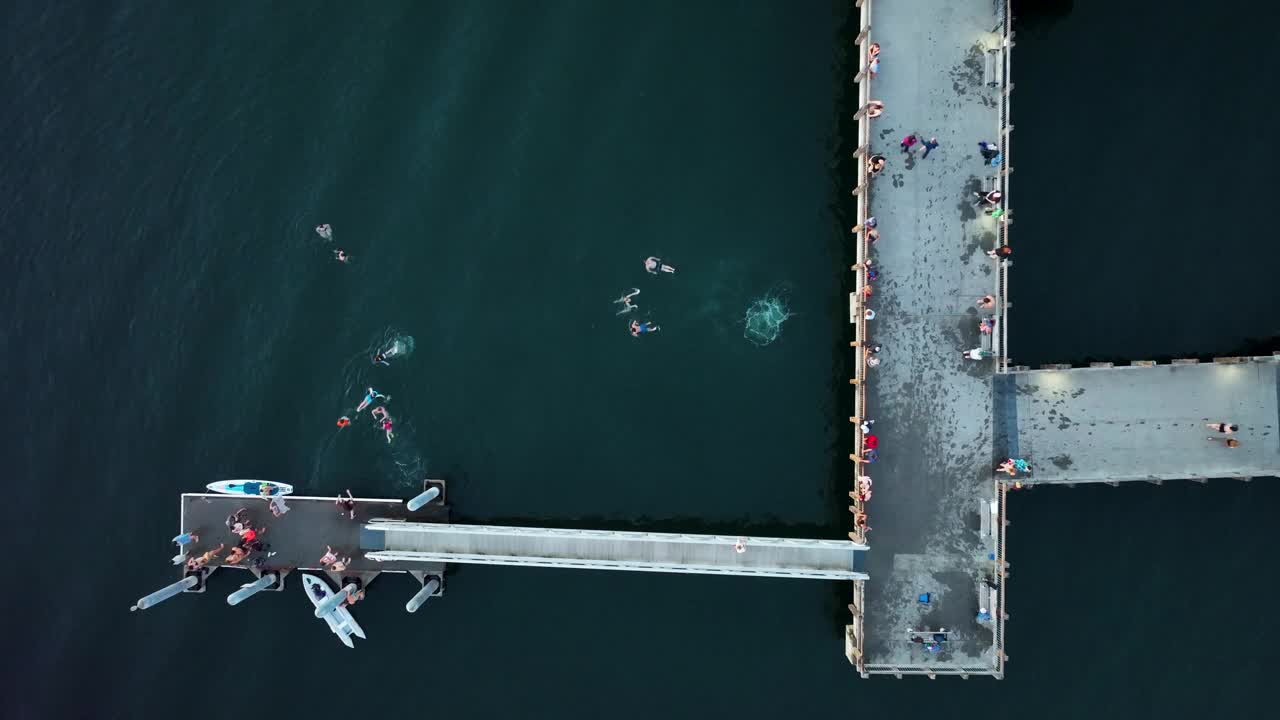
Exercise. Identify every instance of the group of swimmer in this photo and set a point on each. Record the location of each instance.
(379, 414)
(653, 266)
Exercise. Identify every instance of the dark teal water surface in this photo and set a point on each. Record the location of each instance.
(499, 171)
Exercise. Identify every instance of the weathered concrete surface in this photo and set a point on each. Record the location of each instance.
(932, 408)
(1141, 423)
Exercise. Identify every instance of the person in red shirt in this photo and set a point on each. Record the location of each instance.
(248, 535)
(871, 441)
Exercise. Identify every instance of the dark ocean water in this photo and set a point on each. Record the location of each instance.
(499, 171)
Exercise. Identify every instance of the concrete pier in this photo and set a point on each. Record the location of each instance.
(932, 407)
(1140, 423)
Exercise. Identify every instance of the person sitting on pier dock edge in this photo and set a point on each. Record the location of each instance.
(346, 505)
(990, 198)
(875, 108)
(875, 164)
(329, 556)
(1001, 253)
(236, 555)
(986, 302)
(976, 354)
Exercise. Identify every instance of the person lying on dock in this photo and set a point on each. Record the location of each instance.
(237, 554)
(1229, 442)
(346, 505)
(277, 506)
(976, 354)
(205, 559)
(329, 556)
(986, 302)
(235, 523)
(340, 565)
(1224, 428)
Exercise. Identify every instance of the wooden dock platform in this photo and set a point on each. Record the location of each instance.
(299, 537)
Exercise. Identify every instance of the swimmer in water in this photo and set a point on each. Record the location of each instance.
(325, 231)
(343, 421)
(640, 328)
(625, 300)
(386, 427)
(655, 265)
(380, 410)
(341, 256)
(369, 396)
(382, 356)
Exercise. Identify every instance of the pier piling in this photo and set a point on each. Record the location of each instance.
(429, 588)
(248, 590)
(333, 601)
(166, 592)
(424, 497)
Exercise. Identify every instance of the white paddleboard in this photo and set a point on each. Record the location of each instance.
(250, 488)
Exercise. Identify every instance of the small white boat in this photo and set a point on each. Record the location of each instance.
(339, 619)
(251, 488)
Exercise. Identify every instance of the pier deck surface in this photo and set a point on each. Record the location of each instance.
(932, 408)
(298, 537)
(1141, 423)
(614, 550)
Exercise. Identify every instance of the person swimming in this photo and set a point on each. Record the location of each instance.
(655, 265)
(640, 328)
(625, 300)
(386, 427)
(369, 396)
(343, 421)
(340, 255)
(380, 410)
(324, 231)
(382, 357)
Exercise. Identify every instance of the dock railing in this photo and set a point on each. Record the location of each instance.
(854, 641)
(1004, 78)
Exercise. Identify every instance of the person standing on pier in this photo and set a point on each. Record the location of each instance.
(186, 538)
(909, 142)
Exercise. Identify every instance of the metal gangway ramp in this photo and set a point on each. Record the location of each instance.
(400, 541)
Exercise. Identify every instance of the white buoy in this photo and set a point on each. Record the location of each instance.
(424, 497)
(429, 588)
(166, 592)
(248, 590)
(330, 603)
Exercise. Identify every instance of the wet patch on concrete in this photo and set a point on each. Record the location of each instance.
(1062, 462)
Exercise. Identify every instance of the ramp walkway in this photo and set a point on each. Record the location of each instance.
(399, 542)
(1141, 423)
